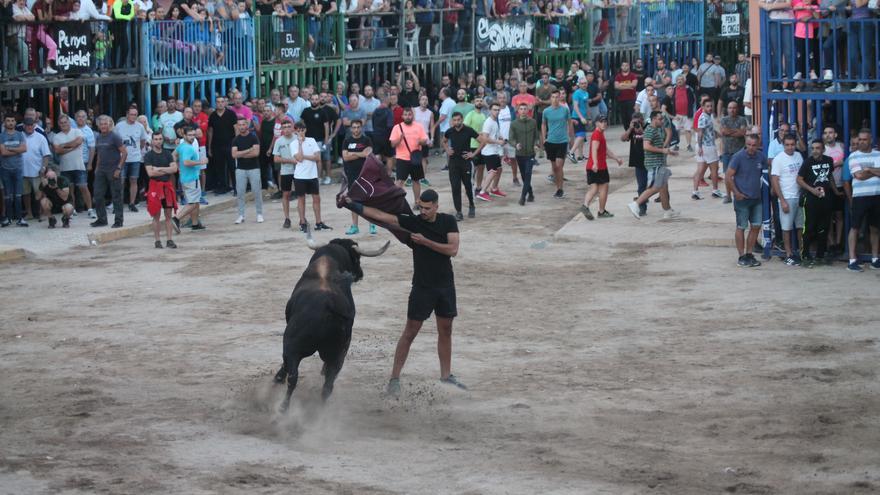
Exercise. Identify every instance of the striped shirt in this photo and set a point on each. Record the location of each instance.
(656, 136)
(862, 161)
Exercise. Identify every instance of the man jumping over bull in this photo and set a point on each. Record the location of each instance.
(434, 242)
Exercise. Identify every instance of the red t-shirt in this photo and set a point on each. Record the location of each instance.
(599, 137)
(626, 94)
(681, 102)
(201, 120)
(528, 99)
(501, 7)
(397, 111)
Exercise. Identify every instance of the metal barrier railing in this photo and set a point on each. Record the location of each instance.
(832, 49)
(372, 31)
(670, 19)
(617, 25)
(32, 50)
(180, 49)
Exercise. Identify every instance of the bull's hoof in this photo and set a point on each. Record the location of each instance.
(280, 376)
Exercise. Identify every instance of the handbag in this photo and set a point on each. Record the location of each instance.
(415, 157)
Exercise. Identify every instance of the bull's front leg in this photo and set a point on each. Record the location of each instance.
(282, 374)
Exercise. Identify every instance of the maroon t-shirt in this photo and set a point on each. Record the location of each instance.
(626, 94)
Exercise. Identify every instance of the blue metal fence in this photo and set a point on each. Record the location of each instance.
(671, 19)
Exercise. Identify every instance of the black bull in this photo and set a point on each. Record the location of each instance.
(320, 312)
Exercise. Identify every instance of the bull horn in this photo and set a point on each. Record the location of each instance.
(314, 246)
(374, 252)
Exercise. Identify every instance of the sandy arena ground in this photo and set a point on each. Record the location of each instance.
(602, 361)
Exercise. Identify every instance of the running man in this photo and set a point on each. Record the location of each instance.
(656, 151)
(434, 242)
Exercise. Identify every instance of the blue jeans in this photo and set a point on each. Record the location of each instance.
(861, 50)
(13, 185)
(783, 45)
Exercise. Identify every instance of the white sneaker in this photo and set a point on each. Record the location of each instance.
(634, 209)
(259, 218)
(798, 76)
(327, 181)
(827, 75)
(239, 220)
(834, 88)
(670, 213)
(860, 88)
(92, 214)
(49, 70)
(553, 45)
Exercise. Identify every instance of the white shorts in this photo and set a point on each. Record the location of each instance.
(795, 216)
(682, 123)
(710, 155)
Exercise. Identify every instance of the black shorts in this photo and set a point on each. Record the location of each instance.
(493, 162)
(837, 202)
(426, 151)
(865, 207)
(555, 151)
(407, 170)
(286, 183)
(426, 300)
(477, 160)
(598, 177)
(306, 186)
(381, 145)
(352, 171)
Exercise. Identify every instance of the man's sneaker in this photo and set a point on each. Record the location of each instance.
(791, 261)
(827, 75)
(690, 148)
(696, 196)
(175, 222)
(303, 227)
(239, 220)
(452, 380)
(531, 198)
(260, 219)
(50, 71)
(459, 216)
(516, 181)
(675, 148)
(92, 214)
(753, 262)
(99, 223)
(116, 225)
(854, 267)
(52, 222)
(198, 226)
(743, 262)
(65, 222)
(472, 212)
(353, 230)
(808, 262)
(21, 222)
(276, 195)
(587, 213)
(170, 244)
(499, 193)
(5, 222)
(132, 208)
(634, 209)
(798, 76)
(572, 157)
(373, 229)
(424, 182)
(203, 201)
(717, 194)
(408, 182)
(393, 388)
(158, 244)
(286, 224)
(875, 265)
(605, 214)
(670, 213)
(727, 199)
(322, 226)
(860, 88)
(484, 197)
(559, 194)
(551, 179)
(327, 181)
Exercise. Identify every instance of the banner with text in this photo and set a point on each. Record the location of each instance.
(504, 35)
(289, 45)
(75, 47)
(730, 25)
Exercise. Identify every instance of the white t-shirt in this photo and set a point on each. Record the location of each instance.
(168, 120)
(786, 168)
(858, 161)
(306, 169)
(491, 128)
(72, 160)
(32, 159)
(132, 135)
(284, 149)
(446, 109)
(423, 117)
(504, 118)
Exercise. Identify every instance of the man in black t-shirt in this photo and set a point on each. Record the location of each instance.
(246, 153)
(56, 198)
(317, 121)
(434, 242)
(334, 124)
(160, 166)
(221, 130)
(817, 181)
(457, 143)
(355, 149)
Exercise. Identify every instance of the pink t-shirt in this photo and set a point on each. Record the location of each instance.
(800, 29)
(414, 134)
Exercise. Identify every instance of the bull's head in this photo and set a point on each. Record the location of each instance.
(353, 263)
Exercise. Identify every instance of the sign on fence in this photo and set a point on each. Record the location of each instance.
(730, 25)
(496, 35)
(75, 47)
(289, 44)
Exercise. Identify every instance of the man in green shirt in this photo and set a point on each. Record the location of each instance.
(475, 120)
(656, 151)
(524, 139)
